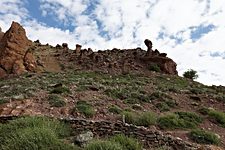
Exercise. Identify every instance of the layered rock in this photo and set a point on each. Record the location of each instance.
(15, 55)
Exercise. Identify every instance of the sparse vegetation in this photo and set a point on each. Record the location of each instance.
(204, 137)
(115, 109)
(85, 108)
(154, 67)
(190, 74)
(56, 100)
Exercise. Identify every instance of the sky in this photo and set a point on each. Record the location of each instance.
(191, 32)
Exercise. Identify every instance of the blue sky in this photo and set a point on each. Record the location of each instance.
(190, 31)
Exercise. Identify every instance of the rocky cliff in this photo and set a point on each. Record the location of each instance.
(15, 56)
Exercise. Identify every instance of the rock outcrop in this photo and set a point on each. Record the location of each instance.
(118, 61)
(1, 33)
(15, 55)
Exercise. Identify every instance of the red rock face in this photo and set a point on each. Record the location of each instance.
(15, 57)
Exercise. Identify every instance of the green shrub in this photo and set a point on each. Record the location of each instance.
(60, 90)
(33, 133)
(115, 109)
(103, 145)
(85, 108)
(142, 119)
(190, 74)
(204, 137)
(3, 101)
(154, 67)
(127, 143)
(162, 106)
(146, 119)
(217, 117)
(214, 115)
(190, 116)
(130, 117)
(179, 120)
(56, 100)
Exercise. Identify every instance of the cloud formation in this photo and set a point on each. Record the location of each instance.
(190, 31)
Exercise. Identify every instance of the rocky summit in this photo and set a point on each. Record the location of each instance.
(16, 57)
(83, 99)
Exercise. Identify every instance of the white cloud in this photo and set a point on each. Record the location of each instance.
(125, 24)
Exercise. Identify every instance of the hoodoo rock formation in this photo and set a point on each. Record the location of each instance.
(123, 61)
(15, 55)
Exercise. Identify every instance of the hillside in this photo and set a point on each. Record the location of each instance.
(133, 91)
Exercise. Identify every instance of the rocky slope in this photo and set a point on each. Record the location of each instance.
(131, 86)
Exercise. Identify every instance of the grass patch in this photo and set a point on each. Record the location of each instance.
(33, 133)
(127, 143)
(142, 119)
(179, 120)
(103, 145)
(85, 108)
(56, 100)
(115, 109)
(204, 137)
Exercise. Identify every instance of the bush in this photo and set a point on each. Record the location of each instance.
(85, 108)
(146, 119)
(154, 67)
(162, 106)
(179, 120)
(204, 137)
(60, 90)
(127, 143)
(33, 133)
(3, 101)
(190, 74)
(56, 101)
(217, 117)
(214, 115)
(142, 119)
(103, 145)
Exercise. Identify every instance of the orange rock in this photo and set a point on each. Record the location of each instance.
(15, 57)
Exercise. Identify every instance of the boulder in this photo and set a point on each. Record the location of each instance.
(2, 73)
(83, 139)
(15, 57)
(78, 49)
(166, 65)
(148, 43)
